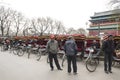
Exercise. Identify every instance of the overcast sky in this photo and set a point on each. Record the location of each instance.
(73, 13)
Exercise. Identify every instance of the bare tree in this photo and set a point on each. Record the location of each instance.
(4, 19)
(71, 31)
(50, 24)
(59, 28)
(41, 25)
(9, 23)
(18, 21)
(81, 31)
(26, 27)
(115, 4)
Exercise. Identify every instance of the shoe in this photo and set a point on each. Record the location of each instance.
(69, 72)
(106, 72)
(110, 71)
(60, 69)
(75, 73)
(52, 69)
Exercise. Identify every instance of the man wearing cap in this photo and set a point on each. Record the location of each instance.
(108, 48)
(70, 49)
(52, 49)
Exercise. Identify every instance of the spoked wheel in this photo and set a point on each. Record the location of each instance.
(113, 63)
(20, 52)
(63, 60)
(48, 59)
(39, 55)
(97, 60)
(91, 65)
(29, 52)
(3, 48)
(15, 51)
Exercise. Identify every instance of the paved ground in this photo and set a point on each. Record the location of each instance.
(13, 67)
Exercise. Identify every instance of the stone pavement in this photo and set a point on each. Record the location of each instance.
(13, 67)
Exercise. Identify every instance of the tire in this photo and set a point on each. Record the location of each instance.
(29, 54)
(39, 55)
(63, 60)
(98, 61)
(113, 63)
(15, 51)
(48, 59)
(91, 65)
(20, 52)
(1, 47)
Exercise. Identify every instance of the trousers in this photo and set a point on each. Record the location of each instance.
(107, 61)
(51, 58)
(72, 59)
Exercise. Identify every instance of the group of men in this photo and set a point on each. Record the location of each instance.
(70, 49)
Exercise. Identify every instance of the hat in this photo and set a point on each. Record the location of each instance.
(70, 37)
(110, 36)
(52, 36)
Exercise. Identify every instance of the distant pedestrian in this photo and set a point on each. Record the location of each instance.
(70, 48)
(108, 48)
(52, 49)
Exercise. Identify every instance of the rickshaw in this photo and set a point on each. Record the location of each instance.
(116, 54)
(91, 53)
(80, 41)
(89, 41)
(42, 41)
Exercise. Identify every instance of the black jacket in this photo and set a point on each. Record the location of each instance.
(108, 46)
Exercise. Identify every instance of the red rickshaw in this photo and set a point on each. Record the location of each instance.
(116, 54)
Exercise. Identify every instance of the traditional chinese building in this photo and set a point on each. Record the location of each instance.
(107, 22)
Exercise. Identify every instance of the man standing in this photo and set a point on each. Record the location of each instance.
(70, 48)
(52, 49)
(108, 48)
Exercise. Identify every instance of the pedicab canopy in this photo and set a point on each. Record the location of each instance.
(117, 37)
(25, 37)
(78, 36)
(79, 39)
(75, 36)
(90, 39)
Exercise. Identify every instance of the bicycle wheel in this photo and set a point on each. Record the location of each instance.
(39, 55)
(48, 59)
(63, 60)
(113, 63)
(15, 51)
(1, 47)
(29, 52)
(91, 65)
(20, 52)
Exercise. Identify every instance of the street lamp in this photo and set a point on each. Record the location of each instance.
(117, 20)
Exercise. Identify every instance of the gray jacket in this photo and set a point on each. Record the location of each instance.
(52, 46)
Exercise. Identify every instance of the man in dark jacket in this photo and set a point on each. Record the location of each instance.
(108, 48)
(70, 48)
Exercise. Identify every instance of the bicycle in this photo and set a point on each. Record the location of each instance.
(64, 57)
(92, 60)
(36, 52)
